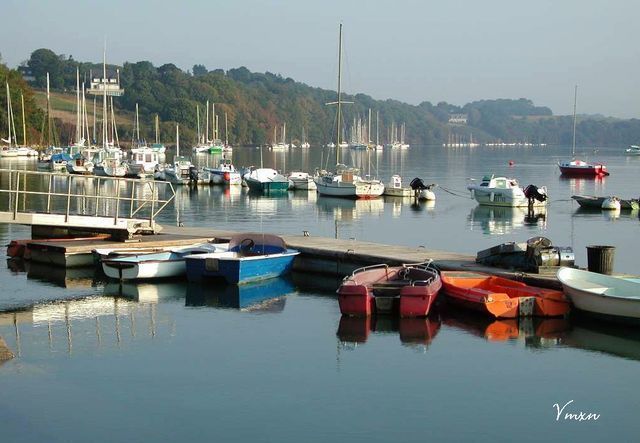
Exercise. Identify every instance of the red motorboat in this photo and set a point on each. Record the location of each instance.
(578, 168)
(409, 290)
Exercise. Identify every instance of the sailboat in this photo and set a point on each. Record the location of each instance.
(144, 159)
(304, 143)
(180, 172)
(345, 182)
(579, 168)
(215, 146)
(157, 146)
(11, 150)
(108, 160)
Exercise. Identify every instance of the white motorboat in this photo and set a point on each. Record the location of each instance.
(180, 172)
(633, 150)
(224, 174)
(266, 180)
(601, 294)
(301, 181)
(504, 191)
(395, 189)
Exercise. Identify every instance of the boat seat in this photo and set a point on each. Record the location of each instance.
(587, 286)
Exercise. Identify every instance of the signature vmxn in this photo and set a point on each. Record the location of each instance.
(574, 415)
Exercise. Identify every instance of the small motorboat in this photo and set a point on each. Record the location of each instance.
(579, 168)
(633, 150)
(224, 174)
(395, 189)
(266, 180)
(504, 191)
(409, 289)
(613, 297)
(251, 257)
(594, 202)
(155, 265)
(301, 181)
(500, 297)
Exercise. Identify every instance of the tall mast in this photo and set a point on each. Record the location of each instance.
(24, 123)
(226, 131)
(338, 128)
(94, 120)
(206, 131)
(214, 125)
(9, 112)
(575, 100)
(198, 122)
(137, 125)
(78, 109)
(177, 139)
(49, 129)
(377, 127)
(369, 129)
(157, 125)
(104, 96)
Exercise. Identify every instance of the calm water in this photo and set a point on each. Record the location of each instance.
(171, 361)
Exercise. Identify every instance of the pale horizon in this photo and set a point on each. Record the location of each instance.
(410, 51)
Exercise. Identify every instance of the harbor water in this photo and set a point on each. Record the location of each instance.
(164, 361)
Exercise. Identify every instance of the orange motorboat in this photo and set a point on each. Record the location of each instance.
(501, 297)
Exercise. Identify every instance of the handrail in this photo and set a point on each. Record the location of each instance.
(137, 199)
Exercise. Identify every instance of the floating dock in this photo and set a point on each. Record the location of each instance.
(320, 255)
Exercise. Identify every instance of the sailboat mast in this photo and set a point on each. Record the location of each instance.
(198, 122)
(177, 140)
(78, 110)
(377, 127)
(575, 100)
(49, 129)
(94, 119)
(339, 116)
(137, 125)
(207, 124)
(157, 129)
(24, 123)
(9, 113)
(226, 130)
(104, 97)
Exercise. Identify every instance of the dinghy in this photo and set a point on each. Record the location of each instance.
(409, 289)
(613, 297)
(251, 257)
(502, 298)
(156, 265)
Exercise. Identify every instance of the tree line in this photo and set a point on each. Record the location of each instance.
(255, 103)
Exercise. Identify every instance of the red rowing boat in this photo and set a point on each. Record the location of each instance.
(409, 289)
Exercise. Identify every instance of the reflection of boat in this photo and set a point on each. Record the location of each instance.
(347, 209)
(609, 338)
(156, 265)
(146, 292)
(264, 295)
(613, 297)
(534, 330)
(501, 220)
(504, 191)
(60, 276)
(409, 289)
(411, 330)
(502, 298)
(251, 257)
(594, 202)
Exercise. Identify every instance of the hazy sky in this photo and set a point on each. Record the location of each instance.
(411, 50)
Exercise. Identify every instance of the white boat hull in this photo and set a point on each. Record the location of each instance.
(601, 294)
(145, 270)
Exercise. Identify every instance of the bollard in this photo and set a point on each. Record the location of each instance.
(600, 259)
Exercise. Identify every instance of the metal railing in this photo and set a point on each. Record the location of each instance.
(40, 191)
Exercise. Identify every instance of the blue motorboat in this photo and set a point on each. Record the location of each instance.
(251, 257)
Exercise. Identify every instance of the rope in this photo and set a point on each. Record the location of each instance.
(456, 193)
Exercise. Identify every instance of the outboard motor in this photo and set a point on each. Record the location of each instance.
(532, 192)
(417, 184)
(193, 174)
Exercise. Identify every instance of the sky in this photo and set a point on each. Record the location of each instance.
(456, 51)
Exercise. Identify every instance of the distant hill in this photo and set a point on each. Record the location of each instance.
(256, 103)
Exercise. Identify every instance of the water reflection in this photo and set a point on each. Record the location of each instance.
(498, 220)
(147, 292)
(412, 331)
(345, 209)
(534, 332)
(609, 338)
(264, 296)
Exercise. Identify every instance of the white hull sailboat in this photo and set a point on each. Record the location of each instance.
(345, 182)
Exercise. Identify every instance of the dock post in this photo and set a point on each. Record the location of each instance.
(49, 194)
(115, 221)
(16, 200)
(66, 214)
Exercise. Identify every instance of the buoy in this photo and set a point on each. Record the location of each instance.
(511, 163)
(611, 204)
